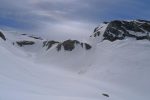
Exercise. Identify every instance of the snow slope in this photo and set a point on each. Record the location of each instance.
(21, 79)
(125, 64)
(117, 70)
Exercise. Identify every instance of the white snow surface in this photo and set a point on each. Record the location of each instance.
(120, 69)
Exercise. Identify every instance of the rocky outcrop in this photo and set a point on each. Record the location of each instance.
(69, 45)
(49, 44)
(2, 36)
(39, 38)
(24, 43)
(87, 46)
(118, 30)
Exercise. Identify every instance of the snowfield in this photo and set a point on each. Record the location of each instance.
(23, 80)
(116, 70)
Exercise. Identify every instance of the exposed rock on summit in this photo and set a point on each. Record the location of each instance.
(119, 30)
(69, 45)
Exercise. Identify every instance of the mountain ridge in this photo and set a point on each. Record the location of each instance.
(113, 68)
(111, 31)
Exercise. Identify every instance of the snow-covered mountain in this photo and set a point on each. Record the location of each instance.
(113, 64)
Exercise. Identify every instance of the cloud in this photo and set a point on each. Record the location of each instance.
(68, 29)
(68, 18)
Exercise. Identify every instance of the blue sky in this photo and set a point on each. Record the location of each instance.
(68, 17)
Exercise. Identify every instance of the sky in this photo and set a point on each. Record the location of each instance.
(66, 18)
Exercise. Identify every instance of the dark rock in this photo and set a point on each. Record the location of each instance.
(147, 37)
(119, 30)
(23, 34)
(69, 45)
(142, 37)
(105, 22)
(23, 43)
(87, 46)
(106, 95)
(59, 47)
(97, 34)
(49, 44)
(82, 45)
(13, 43)
(145, 26)
(39, 38)
(2, 36)
(96, 29)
